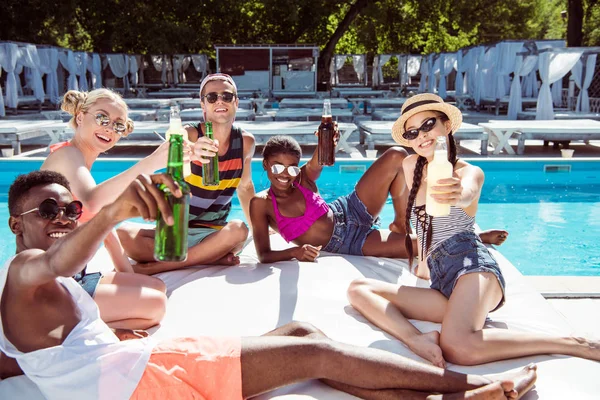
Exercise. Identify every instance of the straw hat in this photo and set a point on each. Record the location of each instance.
(424, 102)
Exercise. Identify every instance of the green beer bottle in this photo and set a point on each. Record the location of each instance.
(210, 171)
(170, 242)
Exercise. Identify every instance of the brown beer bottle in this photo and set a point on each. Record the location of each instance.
(326, 147)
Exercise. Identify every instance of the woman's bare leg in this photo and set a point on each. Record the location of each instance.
(130, 301)
(270, 362)
(389, 307)
(464, 342)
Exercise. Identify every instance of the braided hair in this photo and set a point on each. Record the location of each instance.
(417, 177)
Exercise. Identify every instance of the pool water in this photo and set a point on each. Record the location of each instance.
(550, 208)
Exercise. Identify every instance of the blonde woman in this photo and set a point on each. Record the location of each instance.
(125, 299)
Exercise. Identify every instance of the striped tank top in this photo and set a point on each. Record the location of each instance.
(442, 227)
(210, 205)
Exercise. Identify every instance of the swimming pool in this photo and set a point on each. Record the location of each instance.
(550, 207)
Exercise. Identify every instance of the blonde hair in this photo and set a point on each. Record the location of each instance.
(75, 102)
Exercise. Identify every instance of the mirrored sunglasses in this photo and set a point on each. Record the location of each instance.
(426, 127)
(212, 97)
(49, 209)
(104, 120)
(278, 169)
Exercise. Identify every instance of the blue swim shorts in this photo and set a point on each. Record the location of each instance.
(353, 224)
(461, 254)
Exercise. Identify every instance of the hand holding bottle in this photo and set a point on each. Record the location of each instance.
(143, 198)
(204, 149)
(449, 190)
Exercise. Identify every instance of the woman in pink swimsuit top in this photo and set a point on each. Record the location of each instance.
(293, 207)
(292, 227)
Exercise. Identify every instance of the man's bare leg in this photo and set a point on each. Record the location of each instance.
(218, 247)
(271, 362)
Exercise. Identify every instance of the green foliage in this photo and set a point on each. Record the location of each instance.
(385, 26)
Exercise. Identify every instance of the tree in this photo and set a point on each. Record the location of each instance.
(575, 23)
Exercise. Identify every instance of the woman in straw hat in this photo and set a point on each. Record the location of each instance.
(466, 281)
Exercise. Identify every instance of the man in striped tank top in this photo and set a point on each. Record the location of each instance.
(211, 238)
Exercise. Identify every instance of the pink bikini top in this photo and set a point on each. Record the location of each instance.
(292, 227)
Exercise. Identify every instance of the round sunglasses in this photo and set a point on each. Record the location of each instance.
(292, 170)
(426, 127)
(49, 209)
(212, 97)
(104, 120)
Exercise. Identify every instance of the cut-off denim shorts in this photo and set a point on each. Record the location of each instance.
(352, 225)
(461, 254)
(89, 282)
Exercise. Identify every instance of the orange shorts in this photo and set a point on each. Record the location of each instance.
(193, 368)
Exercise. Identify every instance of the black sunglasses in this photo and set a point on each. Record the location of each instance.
(426, 127)
(212, 97)
(104, 120)
(49, 209)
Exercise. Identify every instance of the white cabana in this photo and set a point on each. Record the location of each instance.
(29, 58)
(555, 89)
(583, 73)
(48, 65)
(9, 55)
(133, 70)
(553, 64)
(525, 63)
(119, 66)
(446, 63)
(424, 70)
(67, 60)
(507, 54)
(94, 66)
(408, 66)
(200, 62)
(359, 63)
(163, 64)
(81, 61)
(378, 62)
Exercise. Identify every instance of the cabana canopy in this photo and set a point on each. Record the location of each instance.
(265, 68)
(408, 66)
(359, 63)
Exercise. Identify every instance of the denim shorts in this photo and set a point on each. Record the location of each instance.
(89, 282)
(461, 254)
(352, 225)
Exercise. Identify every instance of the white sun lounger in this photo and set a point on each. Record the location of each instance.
(312, 114)
(196, 114)
(304, 132)
(396, 103)
(195, 103)
(312, 103)
(498, 103)
(372, 130)
(549, 130)
(148, 103)
(14, 132)
(359, 92)
(527, 115)
(251, 299)
(171, 94)
(386, 114)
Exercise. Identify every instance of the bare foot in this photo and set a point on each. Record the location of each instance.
(493, 391)
(228, 259)
(523, 380)
(493, 236)
(427, 346)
